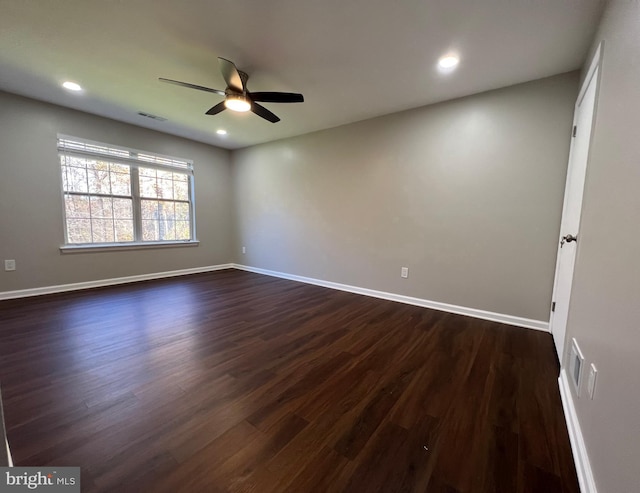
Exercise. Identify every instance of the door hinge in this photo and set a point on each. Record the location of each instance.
(575, 130)
(553, 306)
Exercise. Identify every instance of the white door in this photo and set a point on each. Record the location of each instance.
(569, 228)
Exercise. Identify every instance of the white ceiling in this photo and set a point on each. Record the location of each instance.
(352, 59)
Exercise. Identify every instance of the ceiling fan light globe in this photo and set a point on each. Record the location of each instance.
(448, 62)
(237, 103)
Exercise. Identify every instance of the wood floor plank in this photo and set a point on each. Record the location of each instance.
(380, 402)
(234, 382)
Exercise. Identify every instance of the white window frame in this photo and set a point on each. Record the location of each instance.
(134, 158)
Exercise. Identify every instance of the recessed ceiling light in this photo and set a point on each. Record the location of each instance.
(72, 86)
(448, 61)
(221, 131)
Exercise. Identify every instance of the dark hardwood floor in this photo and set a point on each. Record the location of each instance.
(237, 382)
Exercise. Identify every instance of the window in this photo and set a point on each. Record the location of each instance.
(114, 195)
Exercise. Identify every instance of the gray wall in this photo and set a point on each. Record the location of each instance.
(604, 314)
(31, 227)
(467, 194)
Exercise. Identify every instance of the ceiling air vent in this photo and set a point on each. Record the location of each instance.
(153, 117)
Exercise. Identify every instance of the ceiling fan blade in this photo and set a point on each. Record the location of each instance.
(231, 74)
(216, 109)
(264, 113)
(277, 97)
(192, 86)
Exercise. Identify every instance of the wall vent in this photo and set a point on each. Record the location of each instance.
(576, 363)
(153, 117)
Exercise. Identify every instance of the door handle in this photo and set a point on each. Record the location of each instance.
(568, 239)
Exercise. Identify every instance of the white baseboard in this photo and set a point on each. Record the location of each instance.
(9, 458)
(23, 293)
(580, 457)
(461, 310)
(436, 305)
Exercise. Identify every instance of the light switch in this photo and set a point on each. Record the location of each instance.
(591, 383)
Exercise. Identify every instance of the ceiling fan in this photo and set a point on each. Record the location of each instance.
(236, 95)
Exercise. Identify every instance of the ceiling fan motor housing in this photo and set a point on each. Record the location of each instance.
(244, 77)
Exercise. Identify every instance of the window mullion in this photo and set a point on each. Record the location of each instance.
(102, 195)
(192, 212)
(137, 206)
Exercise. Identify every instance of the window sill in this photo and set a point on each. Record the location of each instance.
(103, 247)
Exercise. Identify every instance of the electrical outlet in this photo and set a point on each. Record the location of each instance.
(591, 383)
(404, 272)
(9, 265)
(244, 250)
